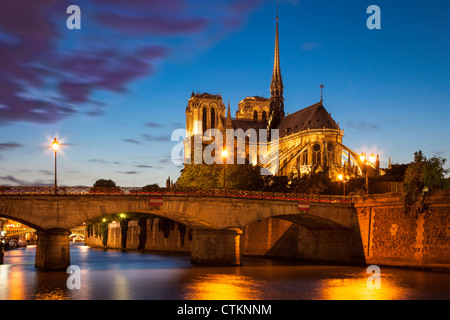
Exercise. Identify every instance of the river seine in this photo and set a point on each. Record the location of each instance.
(117, 275)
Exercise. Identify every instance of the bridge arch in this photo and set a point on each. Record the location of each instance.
(22, 221)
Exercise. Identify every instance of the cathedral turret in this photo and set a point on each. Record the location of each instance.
(276, 86)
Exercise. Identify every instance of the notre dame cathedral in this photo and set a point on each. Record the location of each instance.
(309, 140)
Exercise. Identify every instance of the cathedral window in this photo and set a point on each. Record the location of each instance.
(204, 120)
(255, 115)
(264, 116)
(317, 155)
(213, 118)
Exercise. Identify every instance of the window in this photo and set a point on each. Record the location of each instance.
(255, 115)
(213, 118)
(264, 116)
(317, 155)
(204, 128)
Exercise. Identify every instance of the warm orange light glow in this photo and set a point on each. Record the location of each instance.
(224, 153)
(222, 287)
(55, 145)
(362, 157)
(341, 177)
(372, 158)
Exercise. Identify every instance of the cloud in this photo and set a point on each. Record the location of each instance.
(131, 141)
(309, 46)
(50, 73)
(144, 166)
(20, 182)
(10, 145)
(103, 161)
(46, 172)
(362, 125)
(128, 172)
(153, 138)
(153, 125)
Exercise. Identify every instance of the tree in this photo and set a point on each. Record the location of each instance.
(314, 183)
(103, 183)
(151, 188)
(423, 175)
(237, 177)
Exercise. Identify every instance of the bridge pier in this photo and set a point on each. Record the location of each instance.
(52, 249)
(216, 247)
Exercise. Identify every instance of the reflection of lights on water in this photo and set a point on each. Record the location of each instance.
(222, 287)
(51, 293)
(357, 289)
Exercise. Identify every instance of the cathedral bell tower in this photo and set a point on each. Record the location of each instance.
(276, 87)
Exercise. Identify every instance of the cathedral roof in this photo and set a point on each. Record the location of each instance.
(312, 117)
(256, 98)
(206, 95)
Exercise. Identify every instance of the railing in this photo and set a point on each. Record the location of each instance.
(177, 192)
(15, 232)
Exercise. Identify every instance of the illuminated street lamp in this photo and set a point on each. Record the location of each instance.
(344, 180)
(366, 163)
(224, 155)
(55, 147)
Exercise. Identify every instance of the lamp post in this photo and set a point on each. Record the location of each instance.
(341, 178)
(366, 163)
(224, 155)
(55, 147)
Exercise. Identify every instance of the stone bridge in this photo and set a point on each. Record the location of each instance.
(217, 222)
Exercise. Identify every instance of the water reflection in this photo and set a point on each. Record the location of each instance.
(357, 289)
(116, 275)
(221, 287)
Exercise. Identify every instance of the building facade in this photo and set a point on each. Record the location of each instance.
(307, 141)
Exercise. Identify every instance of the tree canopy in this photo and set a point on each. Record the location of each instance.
(103, 183)
(424, 175)
(237, 177)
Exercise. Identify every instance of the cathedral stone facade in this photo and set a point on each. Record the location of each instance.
(309, 140)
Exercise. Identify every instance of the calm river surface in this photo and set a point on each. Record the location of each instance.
(117, 275)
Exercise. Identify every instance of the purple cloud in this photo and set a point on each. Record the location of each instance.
(48, 73)
(10, 145)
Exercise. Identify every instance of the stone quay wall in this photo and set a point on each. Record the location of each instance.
(414, 236)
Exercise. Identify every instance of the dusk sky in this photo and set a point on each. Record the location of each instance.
(114, 91)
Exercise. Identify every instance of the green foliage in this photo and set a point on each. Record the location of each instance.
(395, 173)
(276, 184)
(423, 175)
(238, 177)
(151, 188)
(315, 183)
(103, 183)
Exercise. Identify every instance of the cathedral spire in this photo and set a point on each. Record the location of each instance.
(228, 121)
(276, 86)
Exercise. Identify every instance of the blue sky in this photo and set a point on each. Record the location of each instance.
(115, 90)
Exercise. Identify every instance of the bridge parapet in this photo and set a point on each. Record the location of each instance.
(177, 192)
